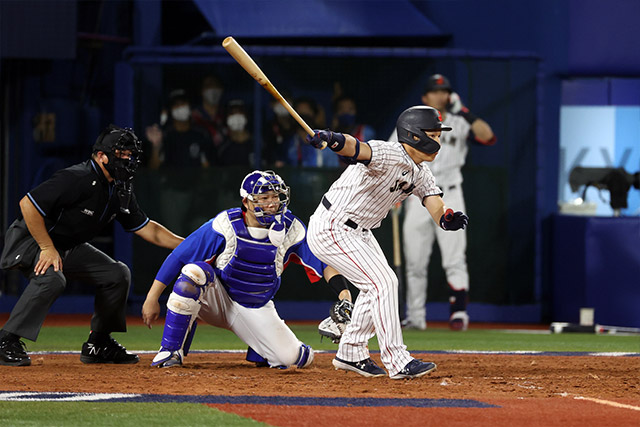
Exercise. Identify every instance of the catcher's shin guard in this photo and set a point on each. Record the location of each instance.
(305, 356)
(179, 327)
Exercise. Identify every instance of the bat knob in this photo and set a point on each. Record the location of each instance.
(448, 215)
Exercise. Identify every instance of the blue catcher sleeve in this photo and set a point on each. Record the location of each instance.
(301, 254)
(203, 244)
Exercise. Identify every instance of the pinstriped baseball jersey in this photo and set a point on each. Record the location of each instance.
(366, 194)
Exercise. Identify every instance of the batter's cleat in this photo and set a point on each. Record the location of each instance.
(167, 358)
(13, 353)
(414, 369)
(109, 352)
(459, 321)
(366, 367)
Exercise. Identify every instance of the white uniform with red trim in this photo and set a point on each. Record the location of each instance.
(339, 234)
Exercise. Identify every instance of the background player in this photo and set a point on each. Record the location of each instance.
(380, 175)
(419, 233)
(231, 269)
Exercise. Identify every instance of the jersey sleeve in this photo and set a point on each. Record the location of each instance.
(201, 245)
(379, 156)
(302, 255)
(135, 219)
(427, 186)
(56, 193)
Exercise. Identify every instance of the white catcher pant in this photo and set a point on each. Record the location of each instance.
(260, 328)
(419, 233)
(357, 255)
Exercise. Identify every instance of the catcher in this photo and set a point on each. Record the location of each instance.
(230, 270)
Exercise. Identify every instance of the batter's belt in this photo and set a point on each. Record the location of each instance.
(349, 223)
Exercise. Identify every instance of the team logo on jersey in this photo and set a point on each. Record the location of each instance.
(400, 186)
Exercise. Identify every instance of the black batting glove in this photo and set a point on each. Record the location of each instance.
(451, 220)
(322, 138)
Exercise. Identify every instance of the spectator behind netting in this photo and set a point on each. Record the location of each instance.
(237, 148)
(209, 114)
(299, 152)
(345, 119)
(181, 152)
(182, 144)
(277, 132)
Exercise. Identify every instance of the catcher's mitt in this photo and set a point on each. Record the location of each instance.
(341, 311)
(332, 330)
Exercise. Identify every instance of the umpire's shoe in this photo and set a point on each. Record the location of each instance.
(366, 367)
(414, 369)
(13, 352)
(107, 352)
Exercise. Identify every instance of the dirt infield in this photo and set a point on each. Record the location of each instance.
(549, 389)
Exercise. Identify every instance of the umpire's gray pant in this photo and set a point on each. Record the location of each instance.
(87, 265)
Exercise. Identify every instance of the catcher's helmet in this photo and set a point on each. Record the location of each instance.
(260, 182)
(437, 82)
(414, 121)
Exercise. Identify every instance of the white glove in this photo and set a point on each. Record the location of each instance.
(455, 103)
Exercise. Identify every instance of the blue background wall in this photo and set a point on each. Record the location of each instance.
(68, 65)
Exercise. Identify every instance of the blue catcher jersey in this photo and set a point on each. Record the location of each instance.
(248, 268)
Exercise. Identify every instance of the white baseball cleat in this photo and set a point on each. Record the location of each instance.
(167, 358)
(459, 321)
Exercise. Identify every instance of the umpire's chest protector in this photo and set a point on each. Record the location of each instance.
(249, 268)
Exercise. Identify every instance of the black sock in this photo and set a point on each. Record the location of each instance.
(98, 337)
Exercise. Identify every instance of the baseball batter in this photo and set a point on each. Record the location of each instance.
(230, 270)
(380, 175)
(419, 234)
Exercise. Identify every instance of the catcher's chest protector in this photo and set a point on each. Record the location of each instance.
(250, 277)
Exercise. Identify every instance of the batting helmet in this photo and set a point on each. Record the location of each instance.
(415, 121)
(260, 182)
(438, 82)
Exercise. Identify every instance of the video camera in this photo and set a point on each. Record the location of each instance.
(617, 180)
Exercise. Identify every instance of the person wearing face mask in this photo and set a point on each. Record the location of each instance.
(237, 148)
(345, 119)
(209, 113)
(48, 244)
(180, 152)
(299, 152)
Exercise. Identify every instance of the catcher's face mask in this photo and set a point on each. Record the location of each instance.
(268, 194)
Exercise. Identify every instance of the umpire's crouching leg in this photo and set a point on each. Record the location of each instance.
(111, 299)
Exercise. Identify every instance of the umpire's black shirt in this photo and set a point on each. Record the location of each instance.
(77, 202)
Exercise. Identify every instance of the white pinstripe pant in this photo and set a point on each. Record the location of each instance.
(357, 255)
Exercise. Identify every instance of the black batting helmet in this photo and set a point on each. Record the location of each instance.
(414, 121)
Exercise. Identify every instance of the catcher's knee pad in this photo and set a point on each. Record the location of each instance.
(305, 356)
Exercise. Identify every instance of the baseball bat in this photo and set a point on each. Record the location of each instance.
(397, 257)
(249, 65)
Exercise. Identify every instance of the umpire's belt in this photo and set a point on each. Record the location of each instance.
(349, 223)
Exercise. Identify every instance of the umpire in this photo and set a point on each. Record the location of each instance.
(48, 244)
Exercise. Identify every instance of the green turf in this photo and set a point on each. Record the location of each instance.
(116, 414)
(208, 337)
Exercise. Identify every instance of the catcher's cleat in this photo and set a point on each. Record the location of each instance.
(366, 367)
(167, 358)
(459, 321)
(414, 369)
(109, 352)
(13, 353)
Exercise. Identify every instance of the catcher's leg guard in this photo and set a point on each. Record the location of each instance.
(179, 326)
(305, 357)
